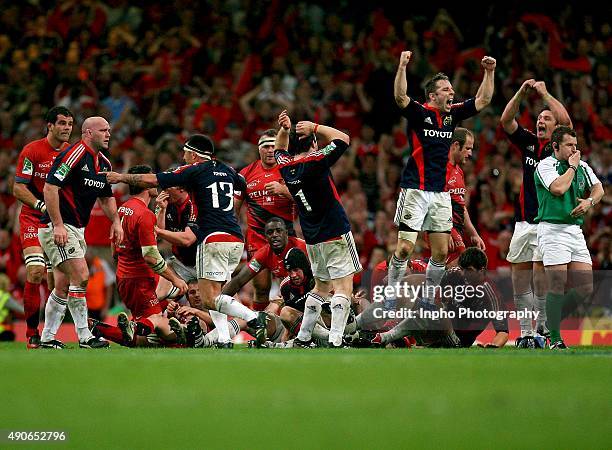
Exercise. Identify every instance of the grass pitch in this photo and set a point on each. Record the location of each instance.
(361, 398)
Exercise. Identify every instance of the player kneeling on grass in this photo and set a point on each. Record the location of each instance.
(294, 292)
(462, 329)
(138, 263)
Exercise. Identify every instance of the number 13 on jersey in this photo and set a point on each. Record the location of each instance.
(227, 189)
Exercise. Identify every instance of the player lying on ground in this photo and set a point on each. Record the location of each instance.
(456, 332)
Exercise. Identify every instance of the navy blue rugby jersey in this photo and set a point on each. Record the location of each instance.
(533, 150)
(76, 171)
(430, 132)
(211, 186)
(309, 180)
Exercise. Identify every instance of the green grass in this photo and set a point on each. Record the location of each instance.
(371, 399)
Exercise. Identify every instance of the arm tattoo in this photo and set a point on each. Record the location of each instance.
(134, 179)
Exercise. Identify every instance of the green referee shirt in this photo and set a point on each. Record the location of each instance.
(554, 208)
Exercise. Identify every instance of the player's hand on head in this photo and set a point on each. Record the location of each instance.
(358, 297)
(540, 88)
(527, 84)
(284, 121)
(305, 127)
(488, 63)
(405, 58)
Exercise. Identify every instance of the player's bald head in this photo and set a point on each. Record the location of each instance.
(91, 123)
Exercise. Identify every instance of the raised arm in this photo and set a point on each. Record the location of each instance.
(161, 204)
(485, 91)
(327, 134)
(507, 119)
(282, 137)
(556, 107)
(400, 86)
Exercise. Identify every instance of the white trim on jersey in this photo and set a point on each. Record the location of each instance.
(592, 179)
(546, 171)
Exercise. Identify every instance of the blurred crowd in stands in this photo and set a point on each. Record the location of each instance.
(162, 71)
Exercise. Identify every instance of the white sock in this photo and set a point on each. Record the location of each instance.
(524, 302)
(212, 338)
(227, 305)
(55, 310)
(433, 277)
(539, 305)
(397, 270)
(312, 311)
(339, 313)
(77, 304)
(221, 325)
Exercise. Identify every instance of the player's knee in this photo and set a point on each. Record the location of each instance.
(404, 248)
(35, 274)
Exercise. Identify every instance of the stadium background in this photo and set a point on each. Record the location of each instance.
(161, 71)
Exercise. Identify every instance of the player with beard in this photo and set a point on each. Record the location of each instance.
(524, 256)
(33, 165)
(266, 196)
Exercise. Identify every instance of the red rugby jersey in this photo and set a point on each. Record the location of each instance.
(265, 258)
(33, 165)
(138, 224)
(455, 184)
(261, 205)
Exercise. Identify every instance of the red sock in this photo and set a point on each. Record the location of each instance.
(260, 306)
(31, 306)
(111, 333)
